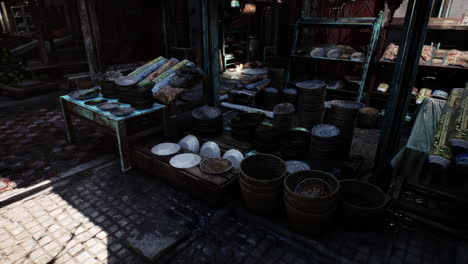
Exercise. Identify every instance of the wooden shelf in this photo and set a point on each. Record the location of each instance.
(327, 59)
(428, 65)
(434, 24)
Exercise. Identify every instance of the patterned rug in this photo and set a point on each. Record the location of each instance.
(33, 147)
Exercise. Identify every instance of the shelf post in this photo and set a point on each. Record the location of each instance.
(409, 54)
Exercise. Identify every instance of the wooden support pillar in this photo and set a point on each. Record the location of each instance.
(5, 18)
(91, 36)
(210, 18)
(409, 54)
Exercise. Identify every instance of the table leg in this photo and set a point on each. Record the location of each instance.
(165, 120)
(68, 122)
(122, 139)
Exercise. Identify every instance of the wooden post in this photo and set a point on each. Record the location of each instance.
(409, 54)
(6, 18)
(210, 17)
(89, 41)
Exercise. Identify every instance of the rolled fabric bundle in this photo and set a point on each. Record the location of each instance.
(166, 77)
(459, 138)
(148, 68)
(440, 152)
(166, 66)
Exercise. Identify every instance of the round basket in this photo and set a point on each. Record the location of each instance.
(263, 169)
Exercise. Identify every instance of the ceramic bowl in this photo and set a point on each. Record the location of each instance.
(185, 161)
(191, 143)
(335, 53)
(234, 156)
(210, 150)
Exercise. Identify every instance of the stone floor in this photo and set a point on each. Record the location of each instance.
(88, 220)
(29, 130)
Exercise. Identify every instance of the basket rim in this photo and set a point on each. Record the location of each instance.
(331, 194)
(384, 203)
(264, 181)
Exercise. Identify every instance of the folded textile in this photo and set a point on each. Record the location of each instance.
(441, 153)
(459, 137)
(164, 78)
(168, 94)
(426, 54)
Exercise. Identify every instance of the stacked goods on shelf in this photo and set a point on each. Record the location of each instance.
(164, 79)
(311, 102)
(325, 147)
(441, 154)
(343, 114)
(432, 56)
(136, 94)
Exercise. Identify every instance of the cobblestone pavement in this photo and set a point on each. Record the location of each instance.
(87, 221)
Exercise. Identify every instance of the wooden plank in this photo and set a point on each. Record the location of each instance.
(88, 39)
(95, 33)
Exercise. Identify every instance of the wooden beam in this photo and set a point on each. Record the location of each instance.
(88, 39)
(6, 17)
(210, 17)
(92, 11)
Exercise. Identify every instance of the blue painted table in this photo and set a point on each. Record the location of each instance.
(111, 123)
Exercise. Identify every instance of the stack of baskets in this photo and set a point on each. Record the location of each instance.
(325, 148)
(283, 116)
(243, 126)
(311, 199)
(267, 138)
(270, 98)
(343, 114)
(207, 121)
(261, 182)
(295, 144)
(290, 96)
(311, 102)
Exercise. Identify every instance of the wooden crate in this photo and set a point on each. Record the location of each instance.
(215, 190)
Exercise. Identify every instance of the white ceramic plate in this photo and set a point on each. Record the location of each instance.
(185, 161)
(165, 149)
(210, 150)
(234, 156)
(191, 143)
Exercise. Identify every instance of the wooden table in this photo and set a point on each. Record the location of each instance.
(114, 125)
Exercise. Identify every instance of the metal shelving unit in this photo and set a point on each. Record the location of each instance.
(23, 19)
(373, 23)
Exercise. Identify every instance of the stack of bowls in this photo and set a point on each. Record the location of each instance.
(138, 96)
(261, 182)
(283, 116)
(343, 114)
(325, 148)
(270, 98)
(311, 199)
(267, 138)
(311, 102)
(243, 126)
(290, 96)
(107, 82)
(207, 121)
(295, 144)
